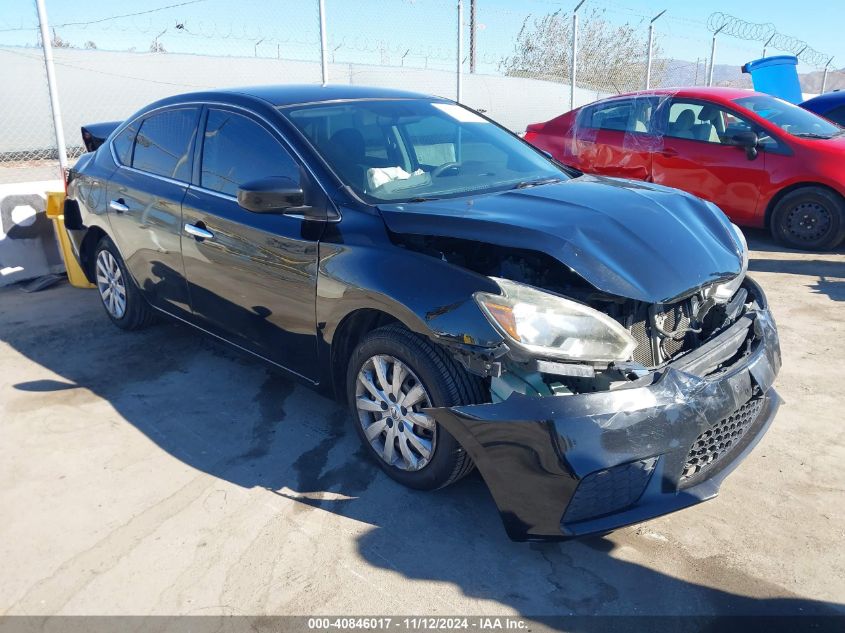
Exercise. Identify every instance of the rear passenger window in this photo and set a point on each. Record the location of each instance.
(123, 143)
(237, 150)
(164, 143)
(628, 115)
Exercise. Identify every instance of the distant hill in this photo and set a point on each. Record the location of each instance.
(682, 72)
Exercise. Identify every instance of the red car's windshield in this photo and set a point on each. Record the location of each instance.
(790, 118)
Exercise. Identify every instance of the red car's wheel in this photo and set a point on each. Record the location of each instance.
(810, 218)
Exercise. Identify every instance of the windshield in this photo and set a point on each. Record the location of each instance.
(407, 150)
(790, 118)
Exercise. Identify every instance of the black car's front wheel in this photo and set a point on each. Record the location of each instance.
(393, 376)
(809, 218)
(121, 298)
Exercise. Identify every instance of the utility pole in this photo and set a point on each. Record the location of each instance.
(651, 48)
(574, 55)
(52, 86)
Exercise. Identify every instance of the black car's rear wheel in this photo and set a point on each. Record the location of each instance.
(393, 376)
(809, 218)
(121, 298)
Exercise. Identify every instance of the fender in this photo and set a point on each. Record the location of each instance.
(429, 296)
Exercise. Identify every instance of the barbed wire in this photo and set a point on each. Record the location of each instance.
(765, 32)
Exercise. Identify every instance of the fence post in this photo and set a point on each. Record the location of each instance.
(768, 41)
(47, 48)
(458, 74)
(324, 59)
(650, 49)
(574, 55)
(713, 56)
(824, 75)
(473, 51)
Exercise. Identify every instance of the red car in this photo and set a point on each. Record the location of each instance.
(764, 162)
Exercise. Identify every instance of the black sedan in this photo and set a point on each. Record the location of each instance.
(592, 345)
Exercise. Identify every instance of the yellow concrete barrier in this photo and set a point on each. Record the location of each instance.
(55, 211)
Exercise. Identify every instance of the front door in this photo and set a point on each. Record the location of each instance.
(252, 277)
(695, 156)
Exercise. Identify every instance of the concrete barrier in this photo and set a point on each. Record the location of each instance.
(28, 246)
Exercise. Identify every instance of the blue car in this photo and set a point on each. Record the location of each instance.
(830, 105)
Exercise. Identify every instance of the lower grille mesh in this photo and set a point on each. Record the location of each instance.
(717, 441)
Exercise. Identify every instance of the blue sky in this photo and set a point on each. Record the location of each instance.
(410, 32)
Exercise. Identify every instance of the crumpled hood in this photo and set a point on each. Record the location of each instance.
(627, 238)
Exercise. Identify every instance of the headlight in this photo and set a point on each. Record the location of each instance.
(724, 291)
(553, 326)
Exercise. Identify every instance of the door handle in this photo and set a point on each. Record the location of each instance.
(118, 205)
(198, 232)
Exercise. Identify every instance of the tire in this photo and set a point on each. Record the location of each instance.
(809, 218)
(113, 282)
(444, 383)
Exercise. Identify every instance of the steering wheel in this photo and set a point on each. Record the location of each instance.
(439, 170)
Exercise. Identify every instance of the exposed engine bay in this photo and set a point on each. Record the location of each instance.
(663, 332)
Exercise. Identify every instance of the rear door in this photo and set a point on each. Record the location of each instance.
(253, 280)
(614, 138)
(155, 155)
(694, 156)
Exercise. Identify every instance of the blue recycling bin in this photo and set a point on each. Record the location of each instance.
(777, 76)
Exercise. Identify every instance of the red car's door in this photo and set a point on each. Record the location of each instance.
(613, 138)
(695, 156)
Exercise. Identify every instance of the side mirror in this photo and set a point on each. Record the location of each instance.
(747, 140)
(272, 195)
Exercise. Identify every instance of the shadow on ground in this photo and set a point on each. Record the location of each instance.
(830, 275)
(229, 416)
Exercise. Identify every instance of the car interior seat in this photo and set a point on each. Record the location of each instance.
(707, 130)
(683, 125)
(348, 149)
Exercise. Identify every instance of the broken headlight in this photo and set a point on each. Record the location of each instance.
(723, 292)
(550, 325)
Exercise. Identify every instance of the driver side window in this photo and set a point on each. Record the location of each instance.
(709, 123)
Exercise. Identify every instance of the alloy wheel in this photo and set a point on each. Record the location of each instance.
(389, 399)
(111, 285)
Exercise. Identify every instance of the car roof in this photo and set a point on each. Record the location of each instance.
(826, 101)
(714, 93)
(291, 94)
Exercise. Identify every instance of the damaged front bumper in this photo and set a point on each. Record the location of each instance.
(566, 466)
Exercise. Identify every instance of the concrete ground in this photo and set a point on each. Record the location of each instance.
(160, 473)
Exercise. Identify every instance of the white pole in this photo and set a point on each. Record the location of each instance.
(459, 76)
(52, 86)
(651, 49)
(324, 60)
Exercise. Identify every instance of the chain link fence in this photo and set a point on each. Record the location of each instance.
(515, 59)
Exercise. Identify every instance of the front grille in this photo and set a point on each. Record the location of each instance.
(719, 440)
(609, 490)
